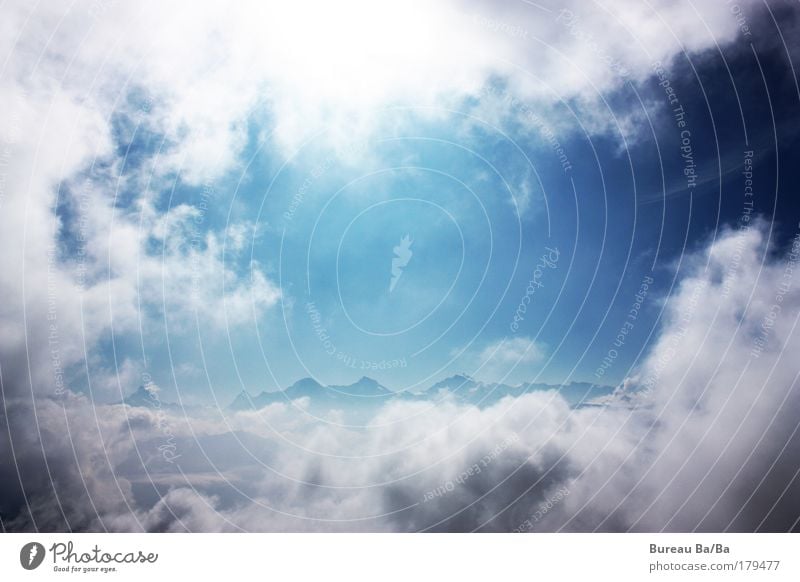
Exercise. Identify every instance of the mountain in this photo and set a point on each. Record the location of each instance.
(147, 397)
(243, 401)
(364, 388)
(364, 392)
(482, 394)
(304, 387)
(143, 396)
(582, 393)
(367, 393)
(307, 387)
(459, 383)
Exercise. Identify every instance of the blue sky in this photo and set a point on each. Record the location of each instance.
(227, 194)
(482, 193)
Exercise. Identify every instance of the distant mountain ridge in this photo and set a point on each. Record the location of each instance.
(364, 389)
(367, 393)
(461, 387)
(147, 397)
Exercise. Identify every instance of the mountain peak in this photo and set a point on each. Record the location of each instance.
(145, 395)
(305, 384)
(456, 381)
(365, 386)
(367, 391)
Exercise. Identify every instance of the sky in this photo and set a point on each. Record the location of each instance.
(203, 200)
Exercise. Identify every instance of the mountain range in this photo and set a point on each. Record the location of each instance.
(367, 393)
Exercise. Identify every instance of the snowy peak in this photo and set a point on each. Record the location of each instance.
(366, 387)
(460, 382)
(145, 396)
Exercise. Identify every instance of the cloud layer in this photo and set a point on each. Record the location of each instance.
(704, 439)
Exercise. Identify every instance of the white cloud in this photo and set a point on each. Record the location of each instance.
(314, 64)
(512, 351)
(507, 360)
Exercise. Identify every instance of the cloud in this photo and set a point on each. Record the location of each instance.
(706, 439)
(304, 67)
(514, 350)
(77, 262)
(502, 359)
(506, 360)
(709, 443)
